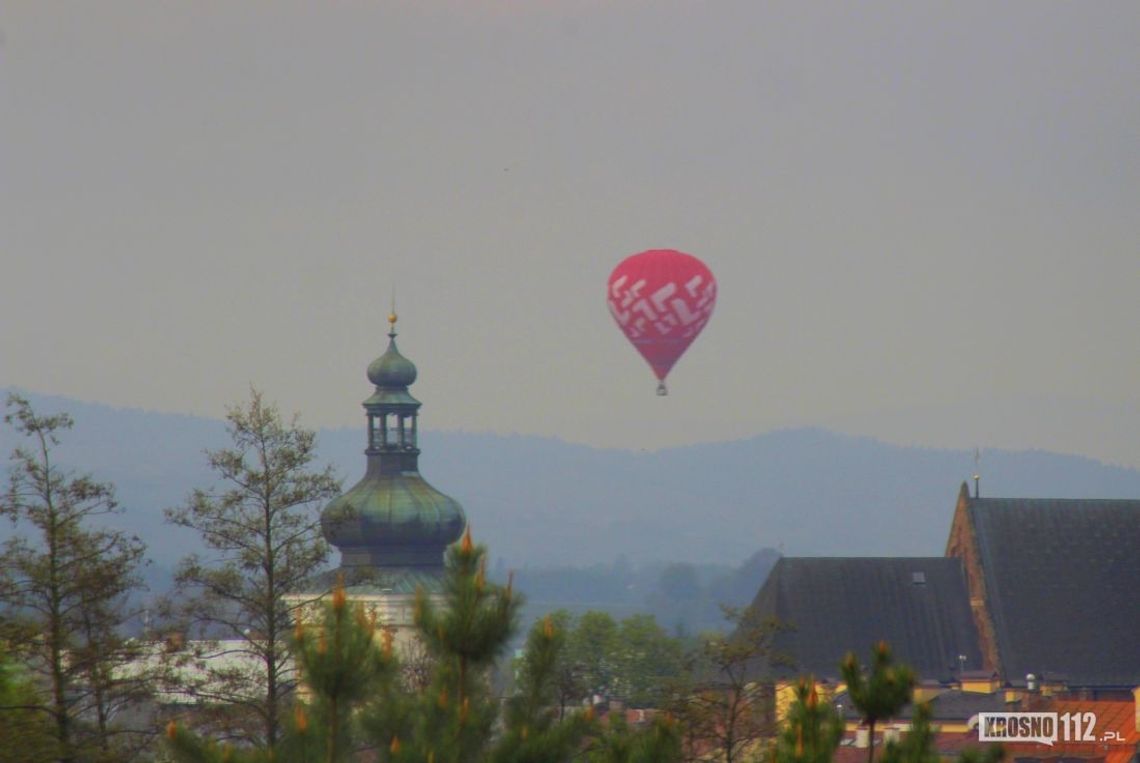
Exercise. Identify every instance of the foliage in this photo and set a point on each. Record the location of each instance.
(67, 592)
(22, 717)
(648, 659)
(880, 692)
(993, 753)
(659, 742)
(264, 530)
(355, 695)
(453, 717)
(632, 661)
(591, 655)
(722, 700)
(536, 726)
(343, 667)
(812, 731)
(917, 745)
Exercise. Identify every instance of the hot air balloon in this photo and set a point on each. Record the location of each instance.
(661, 299)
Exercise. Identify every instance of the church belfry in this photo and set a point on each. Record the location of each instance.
(392, 411)
(392, 527)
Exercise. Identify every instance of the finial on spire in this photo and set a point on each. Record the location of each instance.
(977, 471)
(392, 317)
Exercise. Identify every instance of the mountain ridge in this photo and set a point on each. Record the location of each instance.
(542, 501)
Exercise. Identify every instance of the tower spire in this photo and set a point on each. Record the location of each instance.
(392, 518)
(977, 472)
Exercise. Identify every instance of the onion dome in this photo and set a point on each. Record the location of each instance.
(392, 369)
(392, 521)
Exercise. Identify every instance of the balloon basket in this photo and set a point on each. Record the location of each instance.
(661, 391)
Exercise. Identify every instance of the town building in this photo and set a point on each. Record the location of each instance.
(1035, 607)
(1036, 590)
(1054, 588)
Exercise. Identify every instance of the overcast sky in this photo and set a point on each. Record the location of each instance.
(923, 216)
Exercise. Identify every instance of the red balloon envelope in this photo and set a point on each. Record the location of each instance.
(661, 299)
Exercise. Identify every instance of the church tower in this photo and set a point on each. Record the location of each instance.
(392, 528)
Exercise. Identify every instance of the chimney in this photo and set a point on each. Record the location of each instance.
(891, 734)
(1136, 705)
(862, 737)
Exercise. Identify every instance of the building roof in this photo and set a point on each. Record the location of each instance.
(1062, 581)
(836, 605)
(1113, 731)
(950, 705)
(372, 581)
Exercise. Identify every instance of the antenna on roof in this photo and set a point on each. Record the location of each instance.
(977, 472)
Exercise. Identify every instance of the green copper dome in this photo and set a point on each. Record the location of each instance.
(392, 369)
(392, 518)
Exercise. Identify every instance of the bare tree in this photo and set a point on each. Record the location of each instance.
(725, 700)
(66, 585)
(262, 525)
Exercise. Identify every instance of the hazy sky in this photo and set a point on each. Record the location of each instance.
(924, 217)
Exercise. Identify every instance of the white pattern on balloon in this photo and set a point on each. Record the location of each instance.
(686, 307)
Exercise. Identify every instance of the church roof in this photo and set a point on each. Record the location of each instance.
(373, 581)
(835, 605)
(1062, 580)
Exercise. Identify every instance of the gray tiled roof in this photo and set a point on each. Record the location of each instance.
(953, 705)
(837, 605)
(1063, 584)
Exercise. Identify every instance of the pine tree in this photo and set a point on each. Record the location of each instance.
(355, 696)
(452, 718)
(917, 745)
(68, 588)
(264, 527)
(879, 693)
(22, 716)
(812, 729)
(659, 742)
(537, 729)
(342, 666)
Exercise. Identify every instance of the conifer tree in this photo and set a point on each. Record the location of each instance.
(22, 716)
(355, 696)
(263, 530)
(659, 742)
(812, 729)
(880, 692)
(68, 586)
(917, 745)
(537, 729)
(342, 666)
(451, 719)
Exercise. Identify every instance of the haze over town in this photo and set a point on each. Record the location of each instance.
(922, 217)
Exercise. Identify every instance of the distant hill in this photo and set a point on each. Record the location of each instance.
(542, 503)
